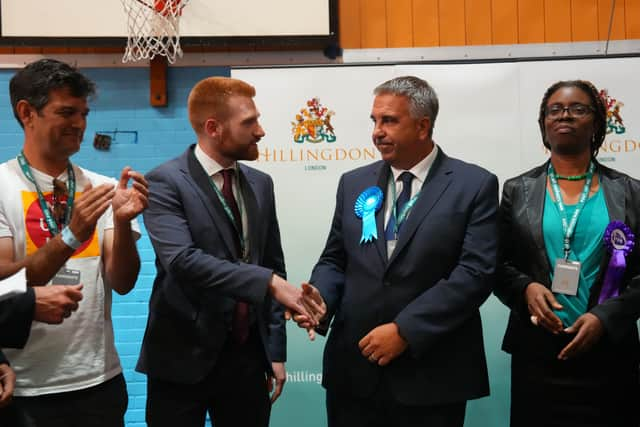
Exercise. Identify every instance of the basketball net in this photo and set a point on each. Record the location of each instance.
(153, 29)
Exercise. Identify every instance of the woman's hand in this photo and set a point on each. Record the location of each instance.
(540, 301)
(588, 329)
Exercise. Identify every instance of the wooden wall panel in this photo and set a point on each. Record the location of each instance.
(531, 21)
(349, 24)
(399, 23)
(557, 21)
(584, 20)
(604, 13)
(504, 21)
(632, 19)
(55, 50)
(374, 23)
(478, 22)
(426, 23)
(82, 50)
(27, 50)
(452, 23)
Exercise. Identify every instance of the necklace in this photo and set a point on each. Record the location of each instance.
(572, 177)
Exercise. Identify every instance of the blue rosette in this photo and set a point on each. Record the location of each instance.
(619, 241)
(366, 206)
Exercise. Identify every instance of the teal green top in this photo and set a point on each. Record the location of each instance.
(586, 247)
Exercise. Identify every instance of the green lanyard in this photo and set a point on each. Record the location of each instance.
(227, 210)
(569, 227)
(48, 216)
(405, 209)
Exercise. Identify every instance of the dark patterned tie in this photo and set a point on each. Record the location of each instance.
(240, 326)
(403, 199)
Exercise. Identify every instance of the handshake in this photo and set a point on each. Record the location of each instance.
(305, 305)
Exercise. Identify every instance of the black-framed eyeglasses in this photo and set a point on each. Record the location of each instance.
(575, 110)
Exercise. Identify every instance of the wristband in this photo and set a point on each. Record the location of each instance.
(69, 239)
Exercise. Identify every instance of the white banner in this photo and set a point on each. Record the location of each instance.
(318, 126)
(618, 77)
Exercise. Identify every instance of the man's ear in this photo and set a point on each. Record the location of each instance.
(213, 127)
(424, 127)
(26, 112)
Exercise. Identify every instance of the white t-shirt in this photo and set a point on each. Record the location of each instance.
(80, 352)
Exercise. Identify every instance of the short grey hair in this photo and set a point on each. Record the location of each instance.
(423, 100)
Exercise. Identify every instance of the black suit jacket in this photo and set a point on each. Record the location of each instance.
(432, 286)
(199, 274)
(523, 259)
(16, 315)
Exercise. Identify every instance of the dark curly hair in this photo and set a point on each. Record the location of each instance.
(599, 111)
(34, 83)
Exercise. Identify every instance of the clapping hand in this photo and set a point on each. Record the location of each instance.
(127, 201)
(88, 208)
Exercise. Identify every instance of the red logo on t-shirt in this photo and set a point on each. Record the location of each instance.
(37, 231)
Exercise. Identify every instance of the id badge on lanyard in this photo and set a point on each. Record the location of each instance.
(566, 273)
(566, 276)
(66, 276)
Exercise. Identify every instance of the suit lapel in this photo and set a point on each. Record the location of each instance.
(534, 193)
(434, 186)
(383, 179)
(251, 211)
(211, 201)
(614, 197)
(535, 190)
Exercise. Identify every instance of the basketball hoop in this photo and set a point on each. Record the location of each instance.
(153, 29)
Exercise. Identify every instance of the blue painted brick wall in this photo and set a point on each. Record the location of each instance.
(122, 104)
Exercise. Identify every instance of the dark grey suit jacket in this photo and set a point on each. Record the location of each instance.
(432, 286)
(199, 274)
(523, 259)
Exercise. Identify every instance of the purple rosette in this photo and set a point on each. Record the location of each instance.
(619, 241)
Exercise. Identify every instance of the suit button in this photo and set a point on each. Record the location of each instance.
(386, 283)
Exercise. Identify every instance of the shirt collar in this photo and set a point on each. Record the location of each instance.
(421, 169)
(210, 166)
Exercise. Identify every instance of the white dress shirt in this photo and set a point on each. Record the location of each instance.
(420, 172)
(214, 170)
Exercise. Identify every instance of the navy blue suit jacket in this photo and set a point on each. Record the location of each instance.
(16, 315)
(432, 286)
(199, 274)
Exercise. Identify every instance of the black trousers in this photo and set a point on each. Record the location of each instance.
(574, 393)
(234, 394)
(381, 410)
(103, 405)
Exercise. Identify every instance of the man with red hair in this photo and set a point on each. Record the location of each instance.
(215, 338)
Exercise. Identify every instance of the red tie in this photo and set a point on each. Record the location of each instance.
(240, 326)
(227, 193)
